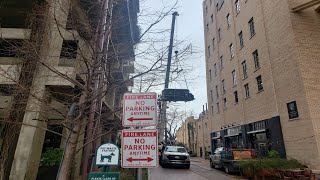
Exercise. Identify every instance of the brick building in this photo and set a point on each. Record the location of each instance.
(262, 75)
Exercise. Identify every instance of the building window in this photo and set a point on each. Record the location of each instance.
(215, 69)
(69, 49)
(207, 27)
(223, 87)
(217, 91)
(259, 83)
(209, 51)
(234, 77)
(206, 9)
(237, 6)
(10, 47)
(251, 25)
(217, 8)
(236, 98)
(219, 34)
(210, 74)
(213, 45)
(231, 49)
(212, 110)
(218, 108)
(228, 20)
(241, 39)
(244, 69)
(246, 88)
(211, 18)
(256, 59)
(6, 90)
(211, 95)
(224, 103)
(52, 140)
(221, 62)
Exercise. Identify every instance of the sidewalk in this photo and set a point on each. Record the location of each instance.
(205, 163)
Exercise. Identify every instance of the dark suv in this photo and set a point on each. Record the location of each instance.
(175, 156)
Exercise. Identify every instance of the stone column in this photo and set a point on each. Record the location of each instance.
(30, 142)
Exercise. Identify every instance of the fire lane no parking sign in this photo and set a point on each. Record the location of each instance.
(139, 109)
(139, 148)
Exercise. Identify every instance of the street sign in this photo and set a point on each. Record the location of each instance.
(104, 176)
(139, 148)
(139, 109)
(107, 154)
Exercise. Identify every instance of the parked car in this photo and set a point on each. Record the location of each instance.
(174, 156)
(229, 159)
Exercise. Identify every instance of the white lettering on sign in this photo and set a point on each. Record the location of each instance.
(139, 148)
(139, 109)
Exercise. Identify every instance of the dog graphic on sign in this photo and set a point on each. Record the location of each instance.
(108, 157)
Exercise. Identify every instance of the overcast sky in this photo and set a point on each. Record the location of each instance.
(189, 27)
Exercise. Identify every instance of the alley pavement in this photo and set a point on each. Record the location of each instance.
(199, 170)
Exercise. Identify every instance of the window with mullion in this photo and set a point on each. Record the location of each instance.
(256, 59)
(231, 49)
(228, 20)
(244, 69)
(217, 91)
(223, 87)
(237, 3)
(259, 83)
(251, 26)
(246, 88)
(241, 39)
(236, 98)
(234, 77)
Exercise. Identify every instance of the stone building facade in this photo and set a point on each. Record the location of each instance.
(46, 48)
(262, 75)
(195, 134)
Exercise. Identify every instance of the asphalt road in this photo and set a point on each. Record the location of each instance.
(197, 171)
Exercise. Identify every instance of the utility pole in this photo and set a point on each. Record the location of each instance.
(163, 112)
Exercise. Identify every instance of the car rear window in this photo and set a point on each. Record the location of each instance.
(176, 149)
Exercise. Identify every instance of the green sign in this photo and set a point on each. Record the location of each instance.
(104, 176)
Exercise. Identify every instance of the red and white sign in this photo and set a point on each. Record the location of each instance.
(139, 148)
(139, 109)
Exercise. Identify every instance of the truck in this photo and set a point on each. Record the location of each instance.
(174, 156)
(228, 159)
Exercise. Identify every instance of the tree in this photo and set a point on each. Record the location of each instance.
(174, 119)
(95, 59)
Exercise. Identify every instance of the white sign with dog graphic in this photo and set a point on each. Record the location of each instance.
(107, 154)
